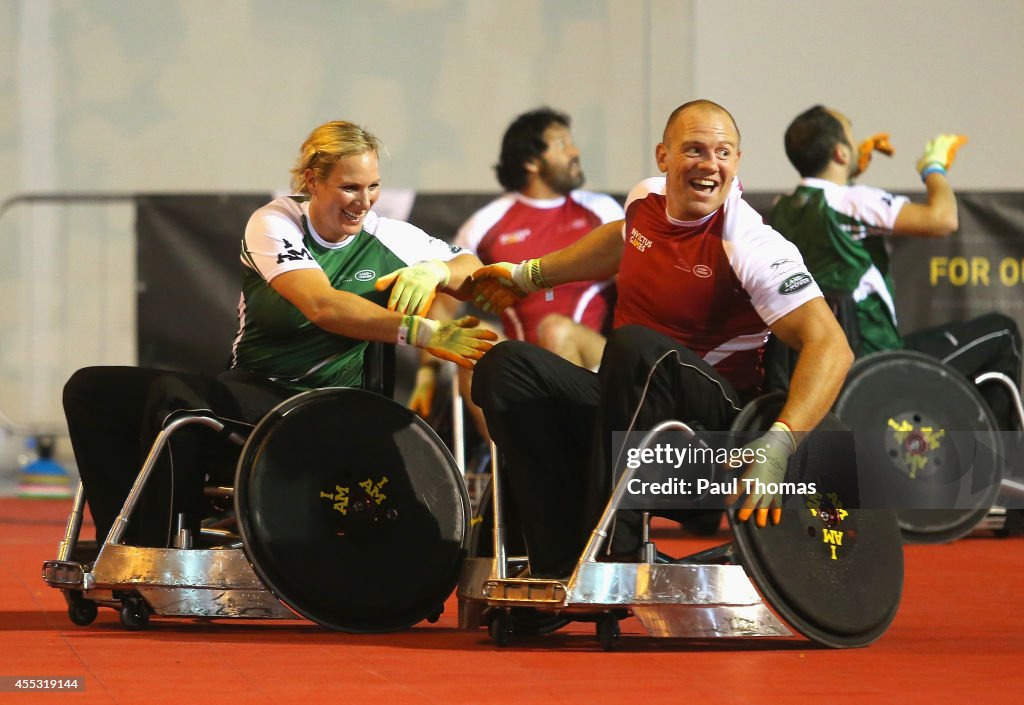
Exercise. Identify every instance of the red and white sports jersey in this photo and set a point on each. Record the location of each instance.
(513, 228)
(714, 285)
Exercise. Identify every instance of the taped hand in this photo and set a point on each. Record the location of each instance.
(939, 154)
(413, 288)
(771, 453)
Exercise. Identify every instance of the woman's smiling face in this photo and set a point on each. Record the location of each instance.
(339, 204)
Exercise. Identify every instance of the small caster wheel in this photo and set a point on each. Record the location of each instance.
(500, 628)
(134, 615)
(81, 611)
(608, 632)
(434, 616)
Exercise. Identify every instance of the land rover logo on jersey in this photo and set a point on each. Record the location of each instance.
(795, 283)
(365, 275)
(702, 270)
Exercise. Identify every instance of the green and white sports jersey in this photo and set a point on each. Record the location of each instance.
(837, 230)
(274, 339)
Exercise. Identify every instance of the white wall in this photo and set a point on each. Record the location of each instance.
(201, 95)
(196, 95)
(910, 67)
(217, 95)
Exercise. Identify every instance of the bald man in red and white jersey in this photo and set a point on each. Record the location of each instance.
(702, 281)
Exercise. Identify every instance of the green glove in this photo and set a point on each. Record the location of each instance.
(939, 154)
(771, 457)
(415, 286)
(458, 341)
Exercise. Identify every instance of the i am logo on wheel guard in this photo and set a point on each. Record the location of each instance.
(341, 496)
(831, 518)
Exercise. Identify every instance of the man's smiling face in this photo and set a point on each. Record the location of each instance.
(700, 156)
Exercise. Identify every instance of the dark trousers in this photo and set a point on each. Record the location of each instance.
(114, 415)
(988, 343)
(554, 423)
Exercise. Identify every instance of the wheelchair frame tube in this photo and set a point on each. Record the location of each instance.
(600, 533)
(74, 527)
(500, 556)
(458, 432)
(1008, 383)
(1012, 487)
(121, 522)
(1008, 486)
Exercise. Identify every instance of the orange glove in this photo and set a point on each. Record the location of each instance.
(876, 143)
(498, 286)
(422, 399)
(495, 294)
(458, 341)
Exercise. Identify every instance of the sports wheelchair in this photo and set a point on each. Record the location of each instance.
(943, 462)
(890, 465)
(829, 571)
(346, 509)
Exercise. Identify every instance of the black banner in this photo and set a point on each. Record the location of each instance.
(189, 277)
(189, 273)
(974, 271)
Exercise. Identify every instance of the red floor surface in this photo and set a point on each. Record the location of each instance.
(956, 639)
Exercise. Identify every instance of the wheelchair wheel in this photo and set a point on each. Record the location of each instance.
(352, 511)
(936, 453)
(831, 570)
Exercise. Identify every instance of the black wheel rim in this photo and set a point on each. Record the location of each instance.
(351, 510)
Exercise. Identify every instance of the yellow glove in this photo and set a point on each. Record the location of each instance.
(498, 286)
(422, 399)
(415, 286)
(771, 458)
(458, 341)
(939, 154)
(875, 143)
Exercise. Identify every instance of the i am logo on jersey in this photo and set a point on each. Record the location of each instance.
(365, 275)
(293, 254)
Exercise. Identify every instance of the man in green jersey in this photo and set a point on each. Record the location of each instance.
(840, 227)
